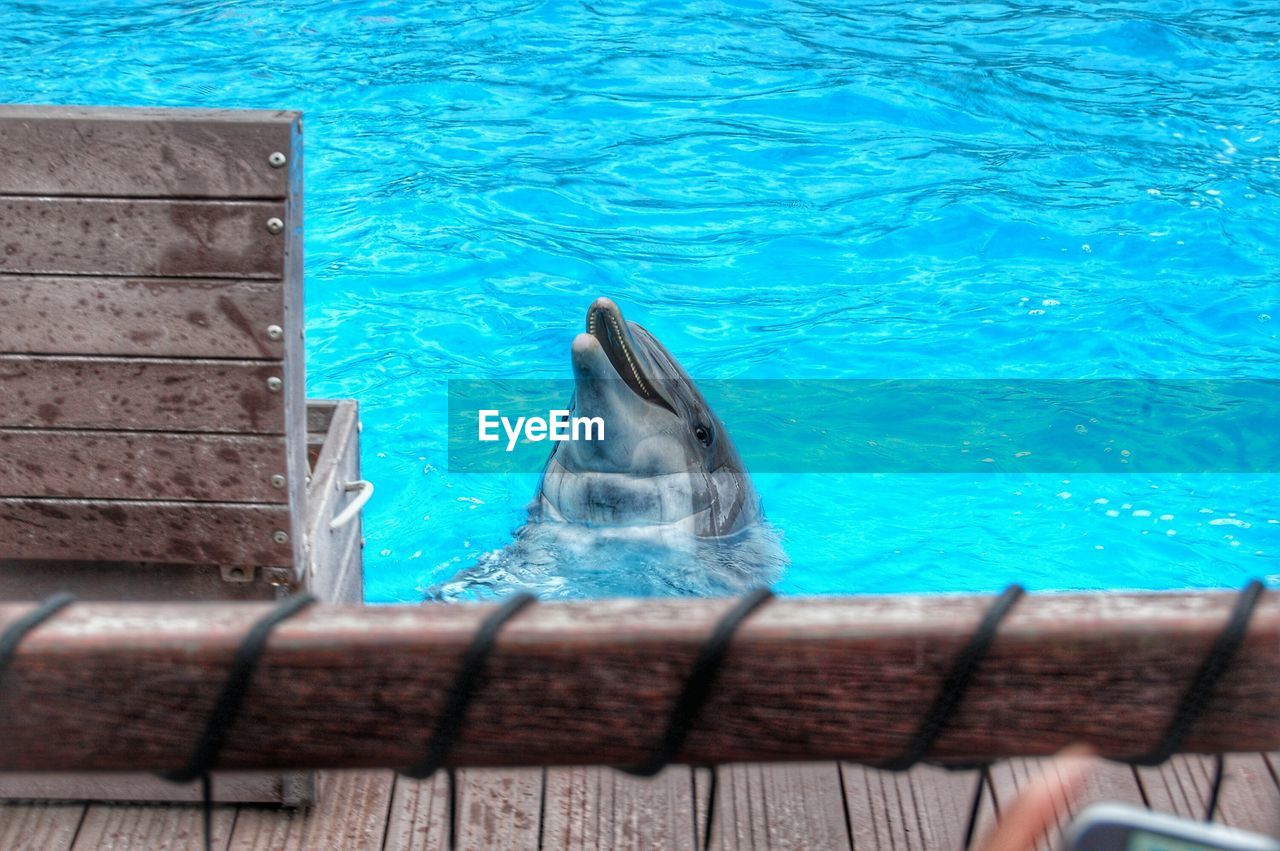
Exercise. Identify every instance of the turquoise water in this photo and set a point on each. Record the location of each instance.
(776, 190)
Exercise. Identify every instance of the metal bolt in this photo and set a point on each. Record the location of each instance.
(274, 384)
(275, 225)
(275, 332)
(277, 159)
(276, 575)
(277, 481)
(280, 537)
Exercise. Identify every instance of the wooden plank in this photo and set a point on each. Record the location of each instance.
(778, 806)
(350, 814)
(256, 787)
(342, 571)
(172, 239)
(1250, 798)
(39, 827)
(925, 808)
(149, 394)
(151, 317)
(348, 589)
(588, 808)
(141, 465)
(167, 532)
(1108, 781)
(500, 809)
(144, 828)
(320, 414)
(294, 393)
(593, 682)
(48, 150)
(419, 815)
(31, 580)
(328, 551)
(497, 809)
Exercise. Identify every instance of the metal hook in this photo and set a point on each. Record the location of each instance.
(349, 513)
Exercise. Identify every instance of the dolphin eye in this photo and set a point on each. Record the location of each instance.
(703, 434)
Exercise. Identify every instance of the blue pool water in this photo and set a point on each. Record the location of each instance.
(777, 190)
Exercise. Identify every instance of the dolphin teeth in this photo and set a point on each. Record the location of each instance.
(626, 351)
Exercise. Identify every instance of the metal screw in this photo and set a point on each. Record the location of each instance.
(276, 575)
(280, 537)
(275, 332)
(277, 159)
(277, 481)
(274, 384)
(275, 225)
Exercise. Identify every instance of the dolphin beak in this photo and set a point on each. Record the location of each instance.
(611, 335)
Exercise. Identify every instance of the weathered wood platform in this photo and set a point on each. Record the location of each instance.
(791, 806)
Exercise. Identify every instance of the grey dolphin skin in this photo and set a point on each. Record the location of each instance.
(661, 506)
(666, 463)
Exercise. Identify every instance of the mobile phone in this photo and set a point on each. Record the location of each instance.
(1119, 827)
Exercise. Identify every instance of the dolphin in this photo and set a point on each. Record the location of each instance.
(666, 463)
(662, 505)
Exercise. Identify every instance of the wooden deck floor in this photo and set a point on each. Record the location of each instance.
(801, 806)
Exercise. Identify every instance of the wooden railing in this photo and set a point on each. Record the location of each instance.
(111, 686)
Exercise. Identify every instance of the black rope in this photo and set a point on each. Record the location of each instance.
(975, 806)
(713, 789)
(206, 810)
(451, 778)
(15, 632)
(697, 686)
(204, 757)
(953, 689)
(454, 712)
(951, 694)
(1205, 681)
(1215, 789)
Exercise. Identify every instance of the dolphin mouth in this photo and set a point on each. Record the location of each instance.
(605, 323)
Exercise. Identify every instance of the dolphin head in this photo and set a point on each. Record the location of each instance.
(665, 459)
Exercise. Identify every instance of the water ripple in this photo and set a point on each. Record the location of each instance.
(777, 188)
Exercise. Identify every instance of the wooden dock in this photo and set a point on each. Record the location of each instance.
(824, 805)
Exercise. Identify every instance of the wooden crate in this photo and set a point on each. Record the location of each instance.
(333, 565)
(151, 356)
(155, 438)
